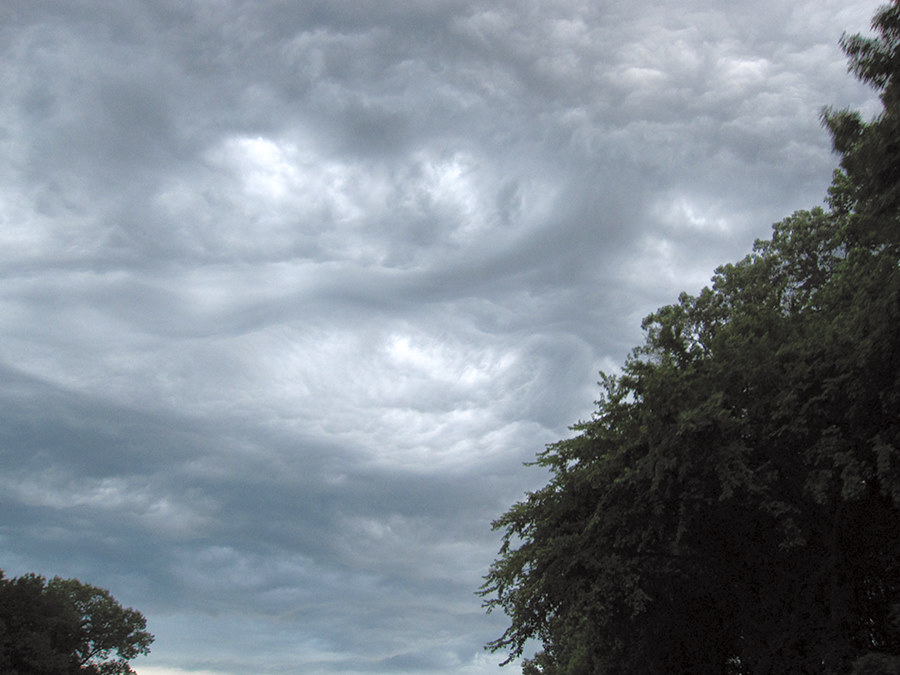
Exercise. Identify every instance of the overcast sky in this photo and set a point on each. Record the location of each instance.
(289, 291)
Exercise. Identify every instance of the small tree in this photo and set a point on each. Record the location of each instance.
(64, 627)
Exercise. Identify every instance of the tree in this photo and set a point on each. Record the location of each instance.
(732, 506)
(64, 626)
(869, 179)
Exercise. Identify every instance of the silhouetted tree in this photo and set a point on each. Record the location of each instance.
(64, 627)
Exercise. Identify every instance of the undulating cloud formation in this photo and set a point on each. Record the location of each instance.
(290, 290)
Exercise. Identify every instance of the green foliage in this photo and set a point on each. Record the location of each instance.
(877, 664)
(732, 506)
(65, 627)
(869, 180)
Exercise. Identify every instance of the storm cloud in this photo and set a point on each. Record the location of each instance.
(289, 291)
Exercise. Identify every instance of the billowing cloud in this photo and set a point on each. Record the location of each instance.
(290, 291)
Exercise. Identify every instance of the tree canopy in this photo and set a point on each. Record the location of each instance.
(733, 504)
(62, 627)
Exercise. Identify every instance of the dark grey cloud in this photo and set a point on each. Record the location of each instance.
(289, 291)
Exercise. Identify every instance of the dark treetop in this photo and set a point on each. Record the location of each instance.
(65, 627)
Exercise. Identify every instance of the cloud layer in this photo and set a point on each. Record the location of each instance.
(289, 291)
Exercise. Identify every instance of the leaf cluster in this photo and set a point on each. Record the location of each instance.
(868, 182)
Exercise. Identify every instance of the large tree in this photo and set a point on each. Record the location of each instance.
(733, 505)
(65, 627)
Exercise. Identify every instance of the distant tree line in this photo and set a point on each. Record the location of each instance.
(733, 506)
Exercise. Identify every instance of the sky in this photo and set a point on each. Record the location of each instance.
(291, 291)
